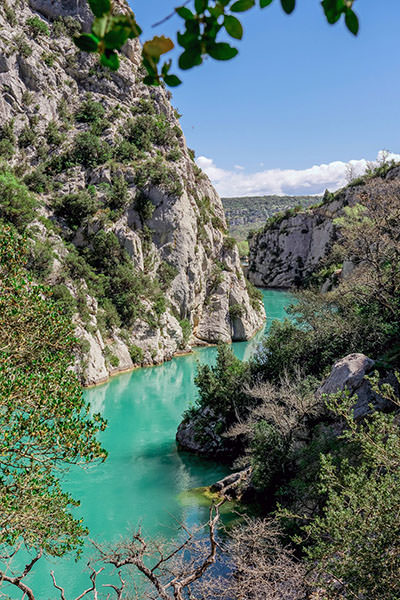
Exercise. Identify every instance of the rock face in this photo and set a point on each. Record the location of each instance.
(69, 126)
(349, 373)
(289, 248)
(291, 245)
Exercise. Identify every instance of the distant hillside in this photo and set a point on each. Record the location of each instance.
(251, 212)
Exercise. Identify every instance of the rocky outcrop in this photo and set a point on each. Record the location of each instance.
(349, 374)
(292, 245)
(171, 221)
(199, 433)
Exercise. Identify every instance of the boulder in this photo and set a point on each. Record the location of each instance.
(349, 374)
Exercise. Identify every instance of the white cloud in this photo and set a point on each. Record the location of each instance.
(239, 167)
(313, 180)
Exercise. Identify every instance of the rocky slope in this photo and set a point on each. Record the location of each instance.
(292, 245)
(249, 213)
(127, 229)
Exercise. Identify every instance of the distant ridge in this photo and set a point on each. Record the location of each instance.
(249, 213)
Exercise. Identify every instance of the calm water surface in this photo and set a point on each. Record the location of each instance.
(144, 479)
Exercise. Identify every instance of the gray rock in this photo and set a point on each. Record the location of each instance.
(289, 250)
(175, 234)
(349, 374)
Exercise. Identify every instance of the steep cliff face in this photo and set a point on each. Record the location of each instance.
(127, 229)
(292, 245)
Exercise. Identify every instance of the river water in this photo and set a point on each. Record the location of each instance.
(145, 479)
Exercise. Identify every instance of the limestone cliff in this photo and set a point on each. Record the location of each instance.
(292, 245)
(132, 233)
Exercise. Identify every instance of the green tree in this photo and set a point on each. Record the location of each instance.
(17, 203)
(353, 546)
(221, 386)
(44, 422)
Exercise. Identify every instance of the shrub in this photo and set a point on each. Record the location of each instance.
(186, 331)
(117, 196)
(6, 149)
(53, 135)
(41, 259)
(229, 243)
(37, 27)
(155, 172)
(136, 354)
(144, 206)
(7, 131)
(236, 311)
(221, 386)
(10, 14)
(74, 208)
(63, 297)
(160, 305)
(48, 58)
(166, 274)
(255, 296)
(17, 204)
(89, 150)
(66, 26)
(125, 151)
(22, 46)
(143, 107)
(27, 136)
(37, 181)
(174, 155)
(90, 111)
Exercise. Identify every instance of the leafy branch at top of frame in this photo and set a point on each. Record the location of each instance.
(200, 38)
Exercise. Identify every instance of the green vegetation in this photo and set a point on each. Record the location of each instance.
(186, 331)
(326, 482)
(37, 27)
(136, 354)
(220, 386)
(90, 111)
(89, 150)
(44, 421)
(75, 208)
(236, 311)
(17, 204)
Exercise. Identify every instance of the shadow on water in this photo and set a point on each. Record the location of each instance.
(145, 479)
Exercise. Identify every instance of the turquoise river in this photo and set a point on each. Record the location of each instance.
(145, 479)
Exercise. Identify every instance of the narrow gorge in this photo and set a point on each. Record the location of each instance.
(125, 227)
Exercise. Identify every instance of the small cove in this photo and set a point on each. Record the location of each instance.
(145, 479)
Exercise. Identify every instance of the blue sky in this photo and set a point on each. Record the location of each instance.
(300, 94)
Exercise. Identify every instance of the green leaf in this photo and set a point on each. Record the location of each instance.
(264, 3)
(99, 7)
(190, 58)
(110, 59)
(151, 80)
(172, 80)
(352, 23)
(116, 38)
(288, 6)
(185, 13)
(87, 42)
(242, 5)
(333, 10)
(221, 51)
(234, 27)
(99, 27)
(200, 5)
